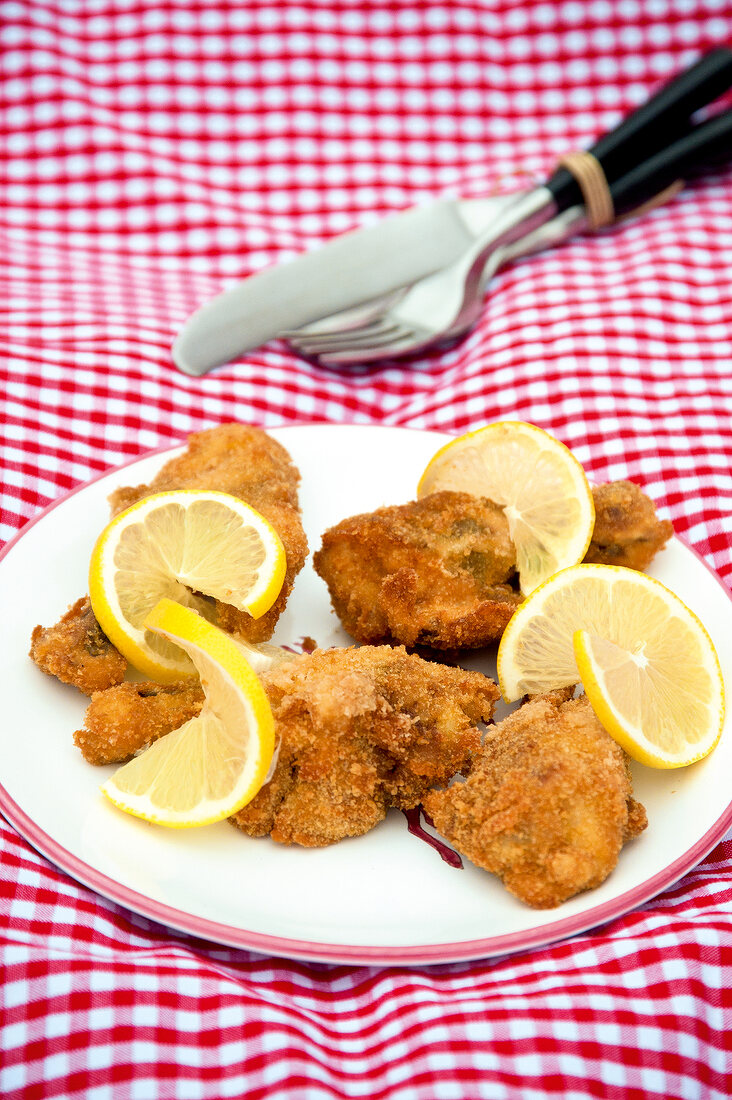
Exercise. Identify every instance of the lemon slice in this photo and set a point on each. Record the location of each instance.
(538, 482)
(662, 700)
(213, 764)
(183, 545)
(262, 655)
(647, 664)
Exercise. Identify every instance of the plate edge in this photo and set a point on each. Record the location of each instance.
(332, 953)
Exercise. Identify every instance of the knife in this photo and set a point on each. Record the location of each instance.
(367, 263)
(353, 268)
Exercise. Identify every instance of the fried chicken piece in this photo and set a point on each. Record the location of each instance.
(441, 572)
(77, 651)
(128, 717)
(435, 572)
(249, 464)
(548, 803)
(360, 730)
(627, 531)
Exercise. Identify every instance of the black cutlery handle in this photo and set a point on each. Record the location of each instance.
(707, 145)
(653, 125)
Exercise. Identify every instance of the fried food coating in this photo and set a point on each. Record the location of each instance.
(627, 530)
(249, 464)
(77, 651)
(435, 572)
(130, 716)
(548, 803)
(360, 730)
(440, 572)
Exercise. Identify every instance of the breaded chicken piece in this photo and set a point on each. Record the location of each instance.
(441, 572)
(548, 803)
(249, 464)
(77, 651)
(128, 717)
(435, 572)
(627, 531)
(360, 730)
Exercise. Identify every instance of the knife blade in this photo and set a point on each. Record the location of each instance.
(354, 268)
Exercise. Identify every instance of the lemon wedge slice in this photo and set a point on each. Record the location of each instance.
(648, 666)
(215, 763)
(538, 482)
(185, 545)
(662, 700)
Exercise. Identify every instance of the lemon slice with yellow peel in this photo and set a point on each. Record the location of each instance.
(215, 763)
(662, 700)
(647, 664)
(538, 482)
(187, 545)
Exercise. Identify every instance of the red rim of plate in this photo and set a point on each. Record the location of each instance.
(281, 946)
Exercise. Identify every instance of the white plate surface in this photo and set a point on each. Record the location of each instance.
(386, 897)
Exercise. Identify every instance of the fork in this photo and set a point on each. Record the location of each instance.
(435, 309)
(444, 306)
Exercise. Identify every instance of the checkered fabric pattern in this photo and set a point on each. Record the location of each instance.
(153, 153)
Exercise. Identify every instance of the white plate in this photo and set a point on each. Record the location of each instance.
(386, 897)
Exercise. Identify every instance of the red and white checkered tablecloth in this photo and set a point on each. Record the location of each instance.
(151, 154)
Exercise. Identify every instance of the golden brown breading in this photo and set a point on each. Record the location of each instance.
(249, 464)
(627, 530)
(360, 730)
(548, 803)
(441, 572)
(434, 572)
(124, 719)
(77, 651)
